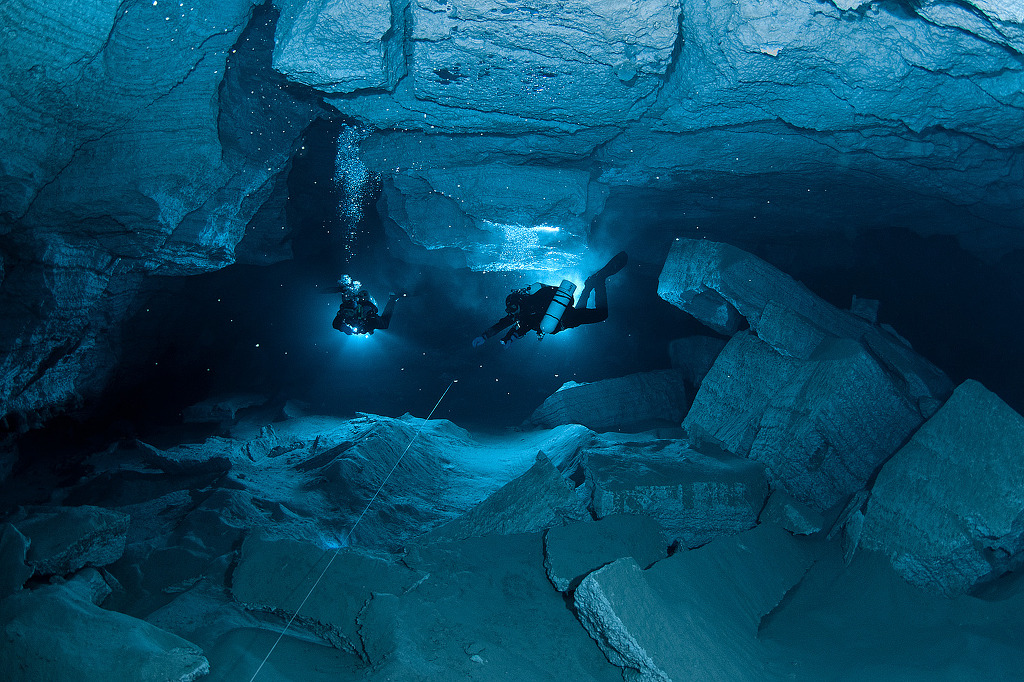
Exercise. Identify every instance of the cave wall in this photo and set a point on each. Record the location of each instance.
(138, 138)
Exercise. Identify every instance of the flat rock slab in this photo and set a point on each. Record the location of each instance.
(573, 551)
(486, 612)
(56, 633)
(634, 402)
(694, 497)
(64, 539)
(821, 426)
(541, 498)
(695, 615)
(947, 508)
(276, 575)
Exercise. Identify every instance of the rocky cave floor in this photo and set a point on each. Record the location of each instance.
(204, 551)
(808, 500)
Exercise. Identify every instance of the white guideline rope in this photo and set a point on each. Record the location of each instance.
(349, 535)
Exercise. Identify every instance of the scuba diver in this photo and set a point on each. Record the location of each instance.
(358, 314)
(547, 309)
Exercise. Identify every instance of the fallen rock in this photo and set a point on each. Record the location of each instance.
(64, 539)
(695, 355)
(785, 512)
(695, 615)
(820, 426)
(91, 585)
(947, 508)
(277, 575)
(573, 551)
(55, 632)
(635, 402)
(538, 499)
(13, 569)
(693, 497)
(725, 287)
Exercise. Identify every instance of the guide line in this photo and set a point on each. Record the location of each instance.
(334, 555)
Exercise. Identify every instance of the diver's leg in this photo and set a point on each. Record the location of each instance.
(574, 317)
(617, 262)
(389, 309)
(601, 299)
(597, 280)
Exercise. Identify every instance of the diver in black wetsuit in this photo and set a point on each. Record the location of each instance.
(525, 308)
(358, 314)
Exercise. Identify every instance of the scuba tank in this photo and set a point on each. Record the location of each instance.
(561, 301)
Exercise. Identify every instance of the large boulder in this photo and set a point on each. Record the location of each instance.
(693, 497)
(541, 498)
(64, 539)
(485, 611)
(635, 402)
(726, 288)
(694, 616)
(56, 632)
(820, 426)
(947, 509)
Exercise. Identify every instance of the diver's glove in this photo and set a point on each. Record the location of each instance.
(478, 341)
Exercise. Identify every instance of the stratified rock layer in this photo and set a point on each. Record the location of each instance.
(762, 113)
(947, 508)
(631, 403)
(338, 47)
(135, 139)
(819, 395)
(694, 497)
(821, 427)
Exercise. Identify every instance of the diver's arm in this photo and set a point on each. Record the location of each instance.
(493, 330)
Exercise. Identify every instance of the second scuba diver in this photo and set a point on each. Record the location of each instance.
(549, 309)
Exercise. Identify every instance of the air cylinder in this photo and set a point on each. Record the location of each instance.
(561, 301)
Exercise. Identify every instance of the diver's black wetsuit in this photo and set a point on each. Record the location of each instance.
(527, 310)
(360, 316)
